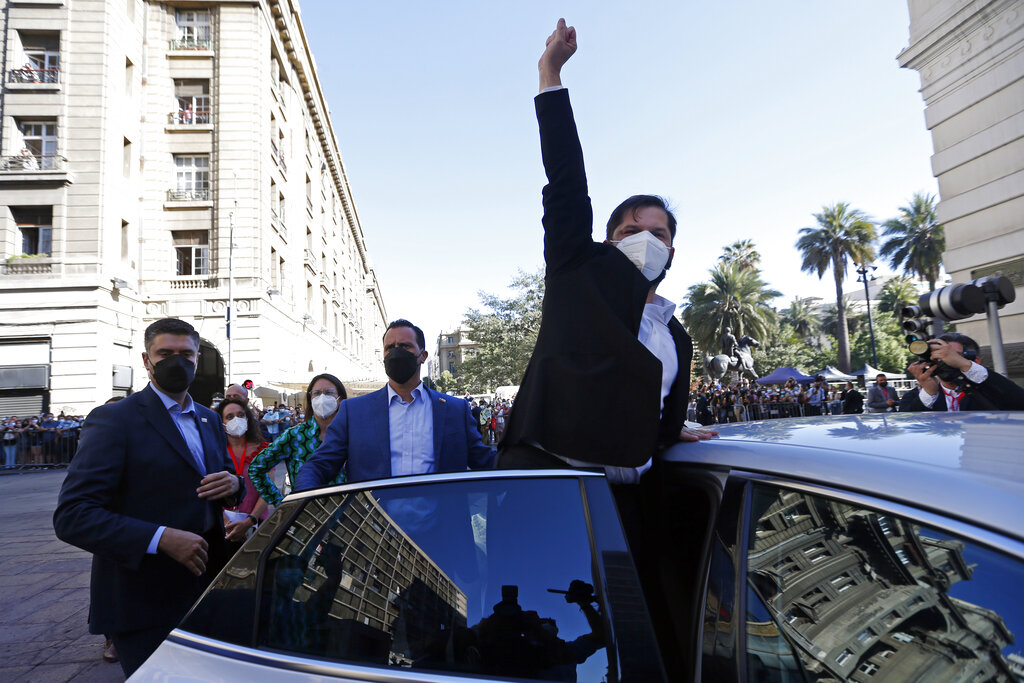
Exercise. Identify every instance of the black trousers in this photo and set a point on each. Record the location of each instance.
(135, 647)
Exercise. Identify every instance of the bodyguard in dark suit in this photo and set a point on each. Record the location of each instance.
(402, 429)
(144, 494)
(954, 381)
(605, 334)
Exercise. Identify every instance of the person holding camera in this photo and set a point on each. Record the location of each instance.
(952, 379)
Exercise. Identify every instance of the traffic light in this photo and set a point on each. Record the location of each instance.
(248, 385)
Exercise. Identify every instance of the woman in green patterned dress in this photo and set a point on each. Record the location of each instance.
(295, 445)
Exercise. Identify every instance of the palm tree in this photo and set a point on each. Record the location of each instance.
(916, 241)
(735, 297)
(897, 293)
(830, 318)
(843, 235)
(742, 252)
(804, 320)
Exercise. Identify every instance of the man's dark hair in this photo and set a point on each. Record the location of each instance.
(169, 326)
(964, 341)
(882, 375)
(634, 204)
(402, 322)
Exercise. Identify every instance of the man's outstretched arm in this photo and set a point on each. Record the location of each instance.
(559, 47)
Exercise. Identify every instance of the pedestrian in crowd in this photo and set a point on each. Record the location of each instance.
(853, 400)
(324, 395)
(245, 441)
(485, 423)
(12, 430)
(691, 408)
(605, 295)
(953, 380)
(391, 432)
(817, 397)
(237, 391)
(144, 494)
(499, 420)
(272, 419)
(881, 397)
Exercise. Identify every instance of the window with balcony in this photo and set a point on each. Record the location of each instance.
(38, 147)
(193, 100)
(193, 30)
(35, 229)
(192, 178)
(192, 249)
(40, 58)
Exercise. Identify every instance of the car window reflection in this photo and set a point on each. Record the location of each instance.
(862, 595)
(485, 577)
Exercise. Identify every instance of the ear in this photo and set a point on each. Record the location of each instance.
(671, 254)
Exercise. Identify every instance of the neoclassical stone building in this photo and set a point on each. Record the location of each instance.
(970, 55)
(137, 136)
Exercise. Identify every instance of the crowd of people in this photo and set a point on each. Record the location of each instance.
(39, 440)
(742, 401)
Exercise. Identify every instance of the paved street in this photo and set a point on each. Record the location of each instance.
(44, 591)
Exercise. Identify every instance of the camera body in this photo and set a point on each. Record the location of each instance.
(946, 373)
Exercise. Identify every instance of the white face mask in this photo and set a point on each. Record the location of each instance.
(236, 426)
(646, 252)
(324, 405)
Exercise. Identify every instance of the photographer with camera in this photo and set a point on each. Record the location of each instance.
(948, 369)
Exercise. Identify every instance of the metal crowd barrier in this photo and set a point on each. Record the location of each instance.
(39, 449)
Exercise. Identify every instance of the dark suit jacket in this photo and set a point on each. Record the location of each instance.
(995, 393)
(877, 400)
(359, 439)
(133, 473)
(587, 347)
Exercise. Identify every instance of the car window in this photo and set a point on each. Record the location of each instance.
(857, 594)
(492, 577)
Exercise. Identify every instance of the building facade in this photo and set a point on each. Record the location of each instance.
(453, 348)
(970, 56)
(173, 159)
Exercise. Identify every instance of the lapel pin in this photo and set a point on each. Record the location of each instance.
(442, 400)
(202, 419)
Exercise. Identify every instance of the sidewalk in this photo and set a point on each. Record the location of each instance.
(44, 591)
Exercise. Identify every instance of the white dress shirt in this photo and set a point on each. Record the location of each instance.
(411, 426)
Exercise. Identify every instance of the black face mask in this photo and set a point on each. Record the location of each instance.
(174, 373)
(400, 365)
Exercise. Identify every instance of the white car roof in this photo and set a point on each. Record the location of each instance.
(968, 466)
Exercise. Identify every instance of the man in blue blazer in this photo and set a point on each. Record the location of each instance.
(145, 494)
(401, 429)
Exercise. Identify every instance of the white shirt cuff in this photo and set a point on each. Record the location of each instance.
(552, 88)
(927, 399)
(155, 543)
(977, 373)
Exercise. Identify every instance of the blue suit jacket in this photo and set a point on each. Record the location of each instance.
(359, 439)
(133, 473)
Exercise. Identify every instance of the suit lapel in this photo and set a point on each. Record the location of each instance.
(438, 407)
(156, 414)
(209, 440)
(383, 429)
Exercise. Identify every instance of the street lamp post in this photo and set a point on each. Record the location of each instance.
(863, 271)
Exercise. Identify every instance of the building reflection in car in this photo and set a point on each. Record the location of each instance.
(853, 594)
(367, 577)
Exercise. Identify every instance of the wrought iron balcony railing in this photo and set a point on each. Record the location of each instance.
(188, 195)
(34, 162)
(29, 75)
(189, 117)
(192, 44)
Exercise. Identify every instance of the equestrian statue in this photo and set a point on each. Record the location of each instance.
(736, 356)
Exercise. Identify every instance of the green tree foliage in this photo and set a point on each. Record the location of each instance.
(448, 383)
(916, 240)
(893, 355)
(855, 319)
(743, 253)
(842, 235)
(785, 347)
(505, 330)
(897, 293)
(804, 320)
(735, 297)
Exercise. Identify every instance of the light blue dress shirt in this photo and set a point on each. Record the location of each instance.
(185, 420)
(411, 428)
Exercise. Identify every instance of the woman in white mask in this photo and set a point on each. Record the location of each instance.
(295, 445)
(244, 443)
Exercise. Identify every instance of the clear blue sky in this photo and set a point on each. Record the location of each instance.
(748, 116)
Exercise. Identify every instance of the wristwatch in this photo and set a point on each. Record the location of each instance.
(255, 522)
(241, 484)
